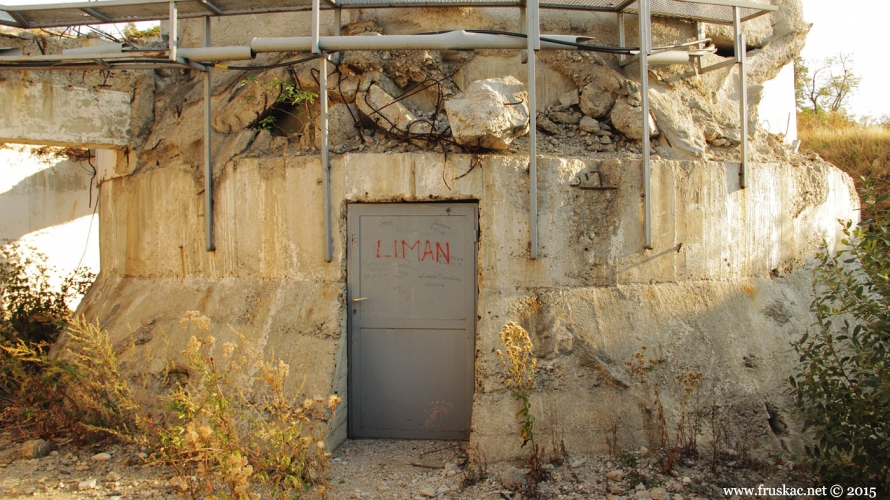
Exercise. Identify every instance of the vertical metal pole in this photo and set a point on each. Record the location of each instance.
(523, 28)
(316, 23)
(622, 36)
(534, 44)
(645, 49)
(208, 165)
(338, 26)
(173, 41)
(323, 126)
(325, 159)
(338, 21)
(740, 57)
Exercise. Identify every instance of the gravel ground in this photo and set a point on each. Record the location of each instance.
(390, 469)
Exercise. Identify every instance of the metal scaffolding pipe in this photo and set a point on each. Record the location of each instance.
(533, 44)
(453, 40)
(325, 160)
(110, 48)
(214, 54)
(740, 57)
(316, 27)
(323, 125)
(173, 35)
(208, 161)
(645, 50)
(621, 35)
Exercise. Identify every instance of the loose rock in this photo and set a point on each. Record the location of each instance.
(89, 484)
(544, 124)
(490, 114)
(628, 120)
(513, 479)
(598, 97)
(35, 448)
(589, 124)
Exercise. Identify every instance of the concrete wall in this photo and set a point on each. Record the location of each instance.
(724, 283)
(75, 109)
(45, 204)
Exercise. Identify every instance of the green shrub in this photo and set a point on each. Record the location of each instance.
(31, 308)
(842, 388)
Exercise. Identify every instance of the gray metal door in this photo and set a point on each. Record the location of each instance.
(412, 307)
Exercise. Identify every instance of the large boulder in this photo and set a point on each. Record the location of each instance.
(598, 96)
(676, 122)
(628, 119)
(490, 114)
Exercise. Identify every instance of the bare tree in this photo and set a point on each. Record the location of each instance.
(827, 88)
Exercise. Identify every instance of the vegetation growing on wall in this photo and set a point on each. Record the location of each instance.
(289, 103)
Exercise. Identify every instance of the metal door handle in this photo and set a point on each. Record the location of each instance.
(359, 299)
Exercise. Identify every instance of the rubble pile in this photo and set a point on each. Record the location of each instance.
(417, 100)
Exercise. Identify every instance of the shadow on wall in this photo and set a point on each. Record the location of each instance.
(55, 195)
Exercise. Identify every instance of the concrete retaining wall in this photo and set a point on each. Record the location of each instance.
(724, 287)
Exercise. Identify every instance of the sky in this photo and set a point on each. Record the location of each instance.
(854, 27)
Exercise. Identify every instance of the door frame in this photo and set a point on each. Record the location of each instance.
(352, 265)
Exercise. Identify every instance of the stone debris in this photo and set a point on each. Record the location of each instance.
(490, 114)
(101, 457)
(342, 127)
(248, 102)
(677, 123)
(566, 116)
(356, 471)
(389, 114)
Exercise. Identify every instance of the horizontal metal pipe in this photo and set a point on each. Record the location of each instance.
(85, 57)
(453, 40)
(110, 48)
(213, 54)
(665, 58)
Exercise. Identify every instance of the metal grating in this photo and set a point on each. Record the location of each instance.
(262, 6)
(718, 14)
(122, 11)
(346, 4)
(6, 19)
(597, 5)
